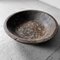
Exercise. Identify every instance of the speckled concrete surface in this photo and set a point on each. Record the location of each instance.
(12, 50)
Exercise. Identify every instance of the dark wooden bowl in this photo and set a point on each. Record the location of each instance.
(31, 26)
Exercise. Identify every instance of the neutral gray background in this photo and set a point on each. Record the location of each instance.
(12, 50)
(55, 3)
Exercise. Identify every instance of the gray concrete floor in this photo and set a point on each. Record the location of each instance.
(12, 50)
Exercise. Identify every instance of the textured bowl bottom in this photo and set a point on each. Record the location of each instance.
(31, 30)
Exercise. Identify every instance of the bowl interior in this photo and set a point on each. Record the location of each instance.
(31, 25)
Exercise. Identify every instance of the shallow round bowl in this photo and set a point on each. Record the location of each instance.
(31, 26)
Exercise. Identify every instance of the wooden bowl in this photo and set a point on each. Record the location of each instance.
(31, 26)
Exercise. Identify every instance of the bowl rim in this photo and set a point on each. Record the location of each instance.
(26, 40)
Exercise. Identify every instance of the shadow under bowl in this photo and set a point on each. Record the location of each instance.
(31, 26)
